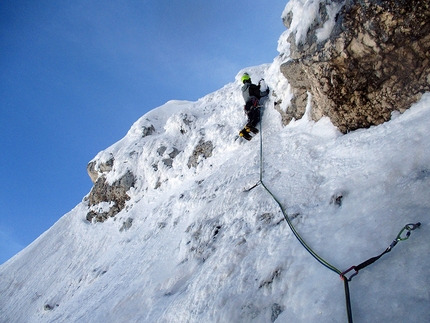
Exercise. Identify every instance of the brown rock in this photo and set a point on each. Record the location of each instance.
(375, 62)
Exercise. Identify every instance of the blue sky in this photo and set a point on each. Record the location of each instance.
(75, 75)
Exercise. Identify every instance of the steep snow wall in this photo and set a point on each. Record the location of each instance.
(190, 245)
(197, 248)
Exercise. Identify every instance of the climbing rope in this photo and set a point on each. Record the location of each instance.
(409, 227)
(286, 217)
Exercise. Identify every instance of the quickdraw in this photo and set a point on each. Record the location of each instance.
(408, 227)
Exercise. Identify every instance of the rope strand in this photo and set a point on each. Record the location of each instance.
(408, 228)
(297, 235)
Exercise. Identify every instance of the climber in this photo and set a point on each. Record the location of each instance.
(252, 94)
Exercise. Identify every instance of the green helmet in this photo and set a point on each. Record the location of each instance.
(245, 77)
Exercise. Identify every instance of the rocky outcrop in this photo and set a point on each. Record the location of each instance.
(147, 131)
(170, 156)
(95, 169)
(375, 61)
(203, 149)
(107, 200)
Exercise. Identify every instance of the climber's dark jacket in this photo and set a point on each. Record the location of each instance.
(250, 91)
(251, 94)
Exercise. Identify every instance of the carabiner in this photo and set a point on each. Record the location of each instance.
(342, 275)
(412, 226)
(409, 227)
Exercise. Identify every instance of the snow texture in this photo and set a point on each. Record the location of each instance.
(306, 13)
(192, 246)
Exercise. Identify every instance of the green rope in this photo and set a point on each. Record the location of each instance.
(408, 228)
(297, 235)
(287, 218)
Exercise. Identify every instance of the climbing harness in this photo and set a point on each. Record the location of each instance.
(409, 227)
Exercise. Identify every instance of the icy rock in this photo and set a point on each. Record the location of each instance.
(359, 60)
(126, 224)
(147, 131)
(95, 169)
(203, 149)
(169, 161)
(102, 191)
(276, 310)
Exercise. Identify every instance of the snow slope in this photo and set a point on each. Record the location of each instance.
(200, 249)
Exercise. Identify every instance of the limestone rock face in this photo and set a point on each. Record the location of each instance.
(95, 169)
(375, 61)
(114, 196)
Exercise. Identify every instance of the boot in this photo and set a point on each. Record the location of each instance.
(243, 133)
(251, 129)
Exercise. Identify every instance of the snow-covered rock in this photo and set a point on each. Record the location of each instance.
(360, 60)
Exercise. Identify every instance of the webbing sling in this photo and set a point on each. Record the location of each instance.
(409, 227)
